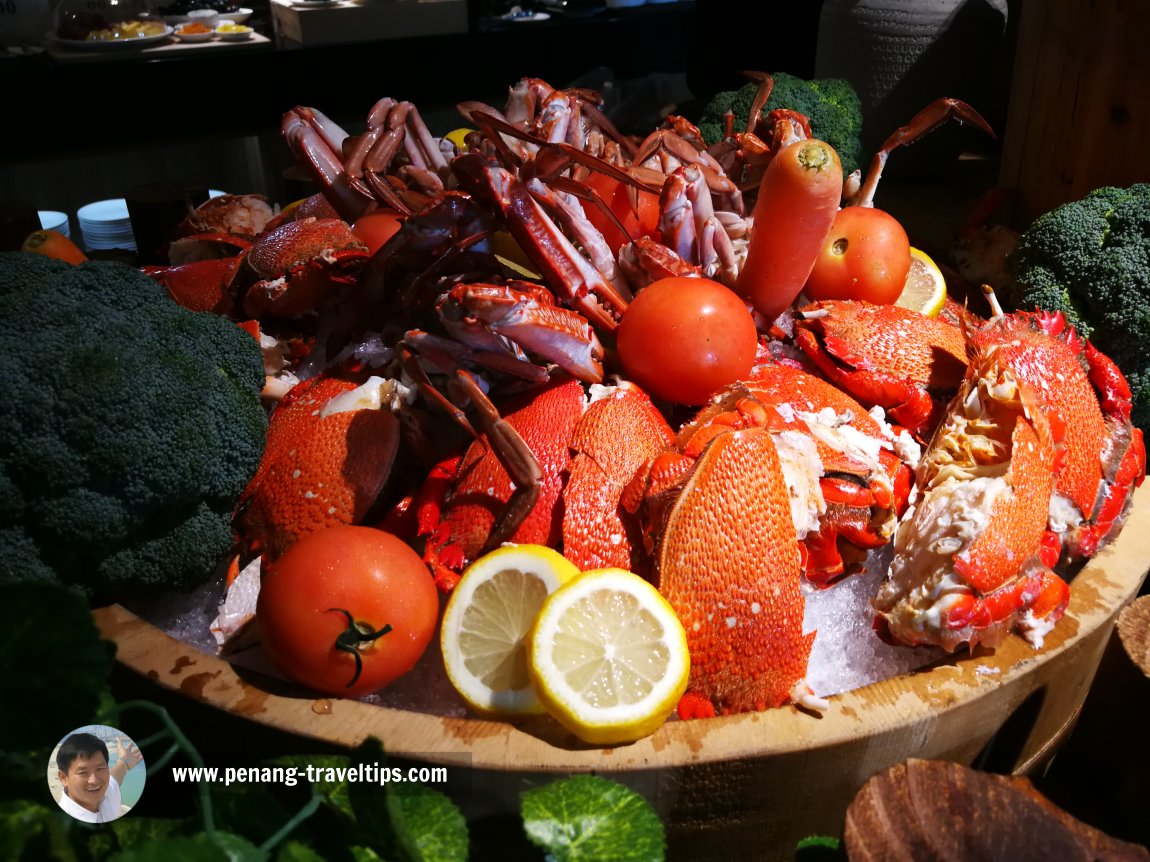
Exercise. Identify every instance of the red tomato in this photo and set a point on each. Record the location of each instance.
(640, 222)
(865, 256)
(683, 338)
(327, 599)
(376, 228)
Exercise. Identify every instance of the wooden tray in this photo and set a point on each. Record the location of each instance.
(738, 786)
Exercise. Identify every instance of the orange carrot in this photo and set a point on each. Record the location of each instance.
(798, 197)
(51, 243)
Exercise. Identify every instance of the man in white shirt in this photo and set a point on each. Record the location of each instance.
(91, 788)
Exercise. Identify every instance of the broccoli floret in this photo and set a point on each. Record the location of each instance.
(128, 427)
(1090, 259)
(831, 104)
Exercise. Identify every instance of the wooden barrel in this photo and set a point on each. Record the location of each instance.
(744, 786)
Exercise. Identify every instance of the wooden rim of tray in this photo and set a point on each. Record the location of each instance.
(1099, 591)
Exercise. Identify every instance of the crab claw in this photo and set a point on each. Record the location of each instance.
(525, 314)
(925, 121)
(200, 286)
(885, 355)
(292, 269)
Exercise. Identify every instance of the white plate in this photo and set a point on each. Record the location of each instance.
(110, 44)
(536, 16)
(113, 209)
(215, 193)
(53, 220)
(238, 17)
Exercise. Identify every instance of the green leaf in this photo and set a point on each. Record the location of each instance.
(332, 789)
(293, 851)
(20, 822)
(586, 817)
(136, 830)
(428, 825)
(22, 774)
(369, 802)
(819, 848)
(48, 626)
(237, 848)
(365, 854)
(253, 810)
(195, 848)
(405, 820)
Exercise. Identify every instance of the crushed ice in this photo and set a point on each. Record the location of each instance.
(847, 654)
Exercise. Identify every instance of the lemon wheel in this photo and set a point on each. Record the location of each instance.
(608, 657)
(487, 621)
(925, 288)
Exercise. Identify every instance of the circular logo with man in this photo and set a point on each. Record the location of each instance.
(96, 774)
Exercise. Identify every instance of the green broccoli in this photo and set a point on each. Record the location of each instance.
(831, 104)
(1090, 259)
(128, 428)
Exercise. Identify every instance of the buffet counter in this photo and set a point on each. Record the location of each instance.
(242, 89)
(257, 41)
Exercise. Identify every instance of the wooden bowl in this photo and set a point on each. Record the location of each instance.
(744, 786)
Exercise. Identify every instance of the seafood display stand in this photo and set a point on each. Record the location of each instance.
(743, 786)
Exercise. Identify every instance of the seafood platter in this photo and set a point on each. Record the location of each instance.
(625, 535)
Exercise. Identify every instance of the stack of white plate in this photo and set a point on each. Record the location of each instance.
(105, 224)
(57, 221)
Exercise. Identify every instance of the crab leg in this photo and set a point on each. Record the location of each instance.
(766, 84)
(558, 260)
(513, 453)
(447, 355)
(558, 334)
(677, 217)
(316, 140)
(427, 152)
(924, 122)
(571, 216)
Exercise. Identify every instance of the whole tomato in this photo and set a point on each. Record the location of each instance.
(347, 610)
(376, 228)
(866, 256)
(640, 220)
(682, 338)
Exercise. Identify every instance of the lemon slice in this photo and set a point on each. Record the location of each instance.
(509, 253)
(925, 288)
(487, 621)
(608, 657)
(459, 136)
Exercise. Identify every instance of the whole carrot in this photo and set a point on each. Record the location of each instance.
(51, 243)
(798, 197)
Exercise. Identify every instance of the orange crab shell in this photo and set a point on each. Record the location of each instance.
(886, 355)
(482, 487)
(317, 471)
(734, 581)
(617, 435)
(290, 270)
(1054, 366)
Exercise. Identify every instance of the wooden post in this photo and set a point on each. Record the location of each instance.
(1079, 114)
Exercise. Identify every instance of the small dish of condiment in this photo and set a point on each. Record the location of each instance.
(194, 31)
(232, 32)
